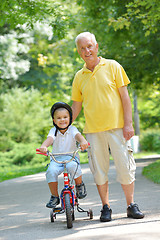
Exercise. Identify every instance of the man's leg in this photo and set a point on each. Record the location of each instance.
(106, 211)
(132, 208)
(129, 192)
(103, 193)
(99, 165)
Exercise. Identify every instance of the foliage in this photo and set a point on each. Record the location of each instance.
(146, 11)
(24, 115)
(53, 74)
(14, 12)
(152, 171)
(13, 48)
(149, 108)
(20, 161)
(150, 140)
(17, 53)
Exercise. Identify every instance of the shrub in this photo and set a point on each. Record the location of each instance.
(150, 141)
(24, 113)
(21, 154)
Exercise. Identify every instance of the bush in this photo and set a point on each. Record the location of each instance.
(24, 114)
(21, 154)
(150, 141)
(6, 144)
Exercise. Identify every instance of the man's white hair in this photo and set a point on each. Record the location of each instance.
(85, 35)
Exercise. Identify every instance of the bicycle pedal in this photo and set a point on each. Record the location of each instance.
(57, 210)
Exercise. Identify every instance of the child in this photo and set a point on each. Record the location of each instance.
(63, 137)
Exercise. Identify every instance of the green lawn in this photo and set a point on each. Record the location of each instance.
(152, 171)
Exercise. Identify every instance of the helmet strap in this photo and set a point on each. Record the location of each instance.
(58, 128)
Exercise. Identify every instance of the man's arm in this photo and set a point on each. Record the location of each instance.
(128, 130)
(76, 108)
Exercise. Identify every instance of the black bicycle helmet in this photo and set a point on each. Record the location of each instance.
(61, 105)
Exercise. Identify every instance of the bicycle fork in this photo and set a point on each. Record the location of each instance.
(67, 189)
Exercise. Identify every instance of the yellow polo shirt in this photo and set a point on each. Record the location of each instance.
(98, 90)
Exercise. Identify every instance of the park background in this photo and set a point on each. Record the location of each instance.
(38, 61)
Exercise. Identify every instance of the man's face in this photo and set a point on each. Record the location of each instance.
(87, 50)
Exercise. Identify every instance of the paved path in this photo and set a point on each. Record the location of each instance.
(23, 215)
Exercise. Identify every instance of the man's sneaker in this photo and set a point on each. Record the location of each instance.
(81, 191)
(106, 214)
(53, 202)
(134, 212)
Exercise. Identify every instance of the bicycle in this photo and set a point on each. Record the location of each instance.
(68, 197)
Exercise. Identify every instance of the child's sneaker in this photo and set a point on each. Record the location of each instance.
(53, 202)
(81, 191)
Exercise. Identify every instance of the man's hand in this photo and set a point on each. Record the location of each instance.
(128, 132)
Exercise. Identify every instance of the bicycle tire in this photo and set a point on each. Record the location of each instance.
(68, 210)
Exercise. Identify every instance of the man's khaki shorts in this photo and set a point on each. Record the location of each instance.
(121, 152)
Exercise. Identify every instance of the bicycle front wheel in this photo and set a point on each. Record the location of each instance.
(68, 210)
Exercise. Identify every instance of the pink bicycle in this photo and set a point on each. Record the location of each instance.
(68, 197)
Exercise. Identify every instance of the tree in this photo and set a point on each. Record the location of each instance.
(15, 12)
(13, 48)
(146, 11)
(33, 39)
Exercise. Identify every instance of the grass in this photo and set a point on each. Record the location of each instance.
(152, 171)
(19, 171)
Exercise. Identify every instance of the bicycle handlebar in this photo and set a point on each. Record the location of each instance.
(57, 154)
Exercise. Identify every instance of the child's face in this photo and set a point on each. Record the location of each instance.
(61, 118)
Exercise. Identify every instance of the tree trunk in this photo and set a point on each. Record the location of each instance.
(136, 116)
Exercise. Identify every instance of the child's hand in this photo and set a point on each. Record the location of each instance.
(84, 144)
(43, 149)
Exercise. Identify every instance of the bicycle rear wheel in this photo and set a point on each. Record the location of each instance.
(68, 210)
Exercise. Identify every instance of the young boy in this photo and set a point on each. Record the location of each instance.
(63, 137)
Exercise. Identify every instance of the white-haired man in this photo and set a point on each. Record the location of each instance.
(101, 85)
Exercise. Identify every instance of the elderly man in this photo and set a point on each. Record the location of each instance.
(101, 85)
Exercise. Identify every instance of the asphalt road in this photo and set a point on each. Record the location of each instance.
(23, 215)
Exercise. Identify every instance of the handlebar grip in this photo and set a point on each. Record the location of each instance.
(42, 154)
(38, 152)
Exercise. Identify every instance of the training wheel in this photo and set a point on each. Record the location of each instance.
(52, 216)
(90, 214)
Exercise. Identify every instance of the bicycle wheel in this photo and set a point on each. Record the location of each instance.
(68, 210)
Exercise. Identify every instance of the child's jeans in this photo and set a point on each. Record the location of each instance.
(55, 169)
